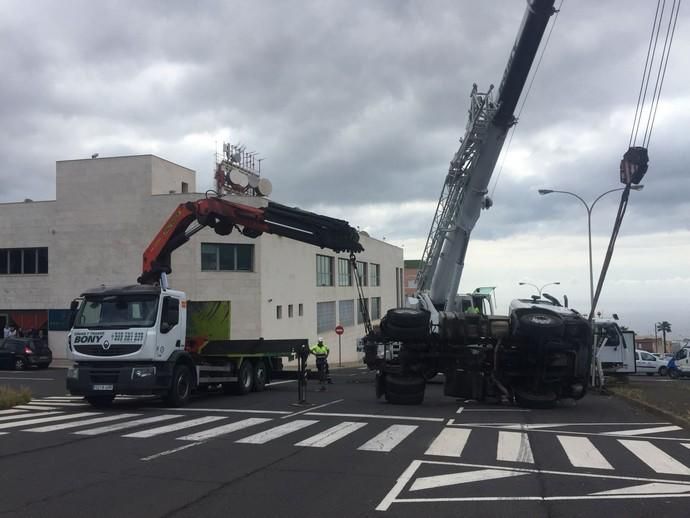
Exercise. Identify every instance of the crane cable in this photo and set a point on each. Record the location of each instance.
(660, 72)
(524, 99)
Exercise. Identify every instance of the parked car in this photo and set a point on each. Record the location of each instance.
(648, 363)
(21, 353)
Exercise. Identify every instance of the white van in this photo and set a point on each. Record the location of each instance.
(648, 363)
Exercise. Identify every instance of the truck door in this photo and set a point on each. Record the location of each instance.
(170, 329)
(647, 362)
(683, 361)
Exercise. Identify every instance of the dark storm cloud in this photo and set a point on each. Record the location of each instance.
(352, 103)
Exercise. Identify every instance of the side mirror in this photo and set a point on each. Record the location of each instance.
(73, 312)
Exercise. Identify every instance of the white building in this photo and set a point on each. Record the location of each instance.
(106, 212)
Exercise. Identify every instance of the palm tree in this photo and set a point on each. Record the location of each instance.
(664, 327)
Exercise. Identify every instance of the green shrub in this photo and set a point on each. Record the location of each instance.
(10, 397)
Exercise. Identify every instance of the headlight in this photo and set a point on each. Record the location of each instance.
(73, 373)
(143, 372)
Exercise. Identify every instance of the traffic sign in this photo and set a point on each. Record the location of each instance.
(339, 330)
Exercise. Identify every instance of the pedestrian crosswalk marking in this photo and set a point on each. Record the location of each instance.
(643, 431)
(278, 431)
(514, 447)
(582, 453)
(44, 419)
(331, 435)
(77, 424)
(151, 432)
(654, 457)
(389, 438)
(224, 429)
(32, 406)
(129, 424)
(24, 414)
(449, 443)
(10, 411)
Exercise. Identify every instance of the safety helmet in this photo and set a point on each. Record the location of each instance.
(320, 339)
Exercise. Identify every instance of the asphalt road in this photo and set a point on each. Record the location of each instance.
(346, 455)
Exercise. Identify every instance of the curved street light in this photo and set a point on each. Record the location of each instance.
(537, 287)
(589, 225)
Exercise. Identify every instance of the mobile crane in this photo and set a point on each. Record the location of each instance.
(540, 352)
(135, 340)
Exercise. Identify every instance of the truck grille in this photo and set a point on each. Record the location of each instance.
(113, 350)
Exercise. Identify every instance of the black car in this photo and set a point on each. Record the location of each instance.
(21, 353)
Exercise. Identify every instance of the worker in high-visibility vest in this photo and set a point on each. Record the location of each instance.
(320, 350)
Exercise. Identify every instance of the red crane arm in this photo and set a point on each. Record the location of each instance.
(223, 215)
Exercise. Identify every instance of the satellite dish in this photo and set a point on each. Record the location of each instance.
(238, 179)
(253, 181)
(265, 187)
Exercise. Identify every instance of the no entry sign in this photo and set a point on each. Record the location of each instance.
(339, 330)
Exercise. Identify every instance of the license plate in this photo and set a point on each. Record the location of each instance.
(103, 387)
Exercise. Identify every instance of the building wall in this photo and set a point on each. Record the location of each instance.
(106, 212)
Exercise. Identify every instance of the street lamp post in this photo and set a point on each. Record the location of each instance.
(537, 287)
(589, 226)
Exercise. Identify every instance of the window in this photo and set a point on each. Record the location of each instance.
(360, 314)
(185, 187)
(279, 312)
(300, 310)
(289, 310)
(346, 313)
(23, 261)
(362, 272)
(324, 270)
(344, 272)
(170, 314)
(227, 257)
(325, 316)
(375, 273)
(375, 308)
(647, 357)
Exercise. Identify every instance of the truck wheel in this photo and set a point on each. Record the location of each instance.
(408, 317)
(673, 373)
(181, 386)
(260, 376)
(100, 401)
(405, 390)
(19, 364)
(396, 332)
(245, 378)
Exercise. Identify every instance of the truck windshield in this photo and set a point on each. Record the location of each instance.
(117, 311)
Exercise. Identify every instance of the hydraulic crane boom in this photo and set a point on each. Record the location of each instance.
(223, 215)
(465, 188)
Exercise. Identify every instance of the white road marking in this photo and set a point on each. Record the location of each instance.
(459, 410)
(400, 484)
(379, 416)
(31, 406)
(648, 489)
(389, 438)
(55, 403)
(654, 457)
(497, 410)
(280, 382)
(151, 432)
(11, 411)
(129, 424)
(223, 430)
(313, 408)
(233, 411)
(642, 431)
(323, 439)
(582, 453)
(174, 450)
(43, 419)
(65, 397)
(449, 443)
(514, 447)
(77, 424)
(277, 432)
(464, 477)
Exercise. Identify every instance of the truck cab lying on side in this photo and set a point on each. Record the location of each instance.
(135, 340)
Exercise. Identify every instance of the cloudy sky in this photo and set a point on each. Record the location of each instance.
(358, 106)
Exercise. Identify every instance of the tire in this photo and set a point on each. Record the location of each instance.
(100, 401)
(396, 332)
(260, 376)
(408, 318)
(181, 387)
(673, 373)
(19, 364)
(405, 390)
(663, 371)
(245, 378)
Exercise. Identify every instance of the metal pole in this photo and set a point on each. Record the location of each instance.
(591, 268)
(340, 352)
